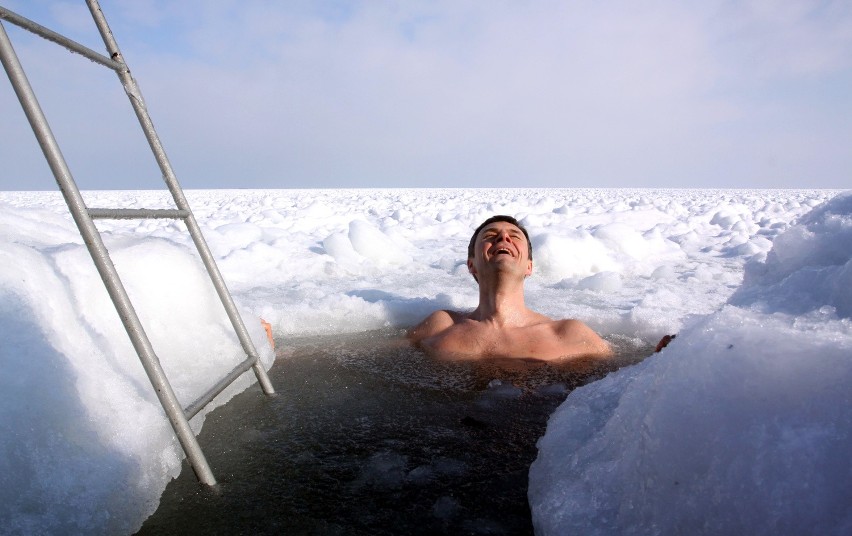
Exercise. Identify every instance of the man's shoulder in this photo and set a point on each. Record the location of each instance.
(573, 331)
(435, 323)
(569, 325)
(446, 317)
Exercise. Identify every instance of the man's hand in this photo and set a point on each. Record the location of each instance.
(664, 342)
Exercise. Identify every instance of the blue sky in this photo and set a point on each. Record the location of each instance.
(303, 94)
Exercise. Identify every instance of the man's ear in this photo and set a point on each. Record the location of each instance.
(471, 269)
(529, 269)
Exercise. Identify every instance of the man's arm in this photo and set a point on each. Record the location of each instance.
(433, 324)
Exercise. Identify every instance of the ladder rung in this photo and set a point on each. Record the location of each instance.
(50, 35)
(214, 391)
(138, 213)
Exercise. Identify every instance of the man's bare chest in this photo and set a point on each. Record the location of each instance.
(472, 341)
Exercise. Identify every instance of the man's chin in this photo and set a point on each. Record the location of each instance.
(507, 268)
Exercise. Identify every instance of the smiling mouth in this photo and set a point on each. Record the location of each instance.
(503, 251)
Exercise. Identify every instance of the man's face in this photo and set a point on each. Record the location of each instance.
(500, 246)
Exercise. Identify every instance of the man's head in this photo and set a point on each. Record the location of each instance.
(490, 231)
(492, 219)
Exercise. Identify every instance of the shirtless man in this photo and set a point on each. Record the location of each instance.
(500, 258)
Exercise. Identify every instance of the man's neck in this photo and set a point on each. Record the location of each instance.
(501, 303)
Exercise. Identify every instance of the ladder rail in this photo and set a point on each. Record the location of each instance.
(138, 103)
(84, 219)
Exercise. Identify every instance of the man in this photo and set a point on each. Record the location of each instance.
(500, 258)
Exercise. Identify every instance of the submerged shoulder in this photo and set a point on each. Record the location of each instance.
(433, 324)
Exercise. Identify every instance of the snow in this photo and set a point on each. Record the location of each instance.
(740, 425)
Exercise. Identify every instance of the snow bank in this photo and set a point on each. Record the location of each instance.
(741, 426)
(85, 445)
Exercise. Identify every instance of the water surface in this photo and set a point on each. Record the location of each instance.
(369, 436)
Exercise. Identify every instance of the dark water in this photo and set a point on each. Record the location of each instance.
(369, 436)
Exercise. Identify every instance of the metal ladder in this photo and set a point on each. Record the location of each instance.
(84, 216)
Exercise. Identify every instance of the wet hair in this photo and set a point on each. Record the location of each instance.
(492, 219)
